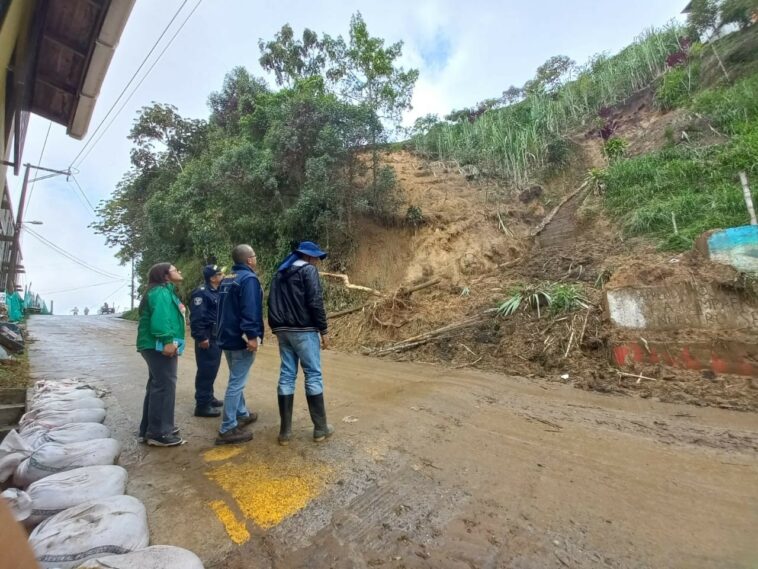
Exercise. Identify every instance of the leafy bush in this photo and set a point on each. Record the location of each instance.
(566, 298)
(676, 87)
(414, 216)
(738, 12)
(615, 148)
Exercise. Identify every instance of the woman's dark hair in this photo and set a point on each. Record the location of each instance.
(156, 276)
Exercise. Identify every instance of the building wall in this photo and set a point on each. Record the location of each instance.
(13, 33)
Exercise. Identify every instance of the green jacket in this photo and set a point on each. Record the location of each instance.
(161, 318)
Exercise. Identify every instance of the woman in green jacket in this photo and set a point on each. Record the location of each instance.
(160, 339)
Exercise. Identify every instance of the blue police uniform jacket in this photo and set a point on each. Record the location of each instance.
(203, 312)
(240, 308)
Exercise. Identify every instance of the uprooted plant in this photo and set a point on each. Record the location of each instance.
(556, 297)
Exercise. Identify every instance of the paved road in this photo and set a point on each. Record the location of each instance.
(429, 468)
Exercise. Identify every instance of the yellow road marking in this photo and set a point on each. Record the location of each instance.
(234, 527)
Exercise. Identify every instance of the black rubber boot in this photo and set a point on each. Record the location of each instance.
(321, 429)
(285, 414)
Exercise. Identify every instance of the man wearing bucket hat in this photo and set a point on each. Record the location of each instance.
(296, 315)
(203, 310)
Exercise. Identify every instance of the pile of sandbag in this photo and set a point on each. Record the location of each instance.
(62, 462)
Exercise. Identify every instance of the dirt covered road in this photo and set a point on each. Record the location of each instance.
(429, 468)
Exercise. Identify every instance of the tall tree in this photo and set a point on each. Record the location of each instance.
(366, 73)
(291, 59)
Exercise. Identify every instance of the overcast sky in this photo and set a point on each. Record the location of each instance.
(465, 51)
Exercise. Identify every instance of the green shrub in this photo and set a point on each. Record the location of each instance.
(615, 148)
(676, 87)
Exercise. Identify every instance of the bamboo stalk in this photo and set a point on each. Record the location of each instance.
(748, 198)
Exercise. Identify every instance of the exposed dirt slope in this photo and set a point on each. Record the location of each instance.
(481, 240)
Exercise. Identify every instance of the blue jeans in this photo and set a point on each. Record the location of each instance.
(239, 362)
(303, 347)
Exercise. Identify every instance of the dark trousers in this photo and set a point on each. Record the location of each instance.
(208, 362)
(160, 394)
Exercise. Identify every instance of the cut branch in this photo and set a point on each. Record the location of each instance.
(346, 282)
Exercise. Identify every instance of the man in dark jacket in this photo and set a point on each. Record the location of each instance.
(296, 315)
(240, 332)
(203, 311)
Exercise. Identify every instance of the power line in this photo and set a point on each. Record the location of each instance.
(82, 192)
(133, 77)
(79, 288)
(70, 256)
(111, 295)
(41, 155)
(126, 101)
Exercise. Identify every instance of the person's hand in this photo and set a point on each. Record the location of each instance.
(252, 345)
(324, 342)
(204, 345)
(169, 350)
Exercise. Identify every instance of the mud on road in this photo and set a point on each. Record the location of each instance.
(429, 468)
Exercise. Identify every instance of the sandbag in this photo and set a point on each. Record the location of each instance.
(74, 393)
(115, 525)
(53, 418)
(63, 490)
(36, 436)
(19, 502)
(69, 404)
(13, 451)
(54, 457)
(155, 557)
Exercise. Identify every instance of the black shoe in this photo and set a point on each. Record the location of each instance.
(321, 429)
(165, 441)
(285, 414)
(244, 420)
(216, 403)
(233, 436)
(207, 411)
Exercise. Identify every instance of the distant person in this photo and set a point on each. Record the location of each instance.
(75, 311)
(296, 315)
(160, 339)
(240, 333)
(203, 312)
(86, 311)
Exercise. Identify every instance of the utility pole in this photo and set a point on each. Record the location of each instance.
(132, 295)
(12, 267)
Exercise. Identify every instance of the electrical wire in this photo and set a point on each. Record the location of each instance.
(68, 255)
(83, 193)
(82, 287)
(133, 77)
(41, 155)
(126, 101)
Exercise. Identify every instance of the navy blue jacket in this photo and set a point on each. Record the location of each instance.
(203, 312)
(240, 308)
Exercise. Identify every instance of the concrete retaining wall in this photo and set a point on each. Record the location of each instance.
(680, 305)
(736, 246)
(721, 357)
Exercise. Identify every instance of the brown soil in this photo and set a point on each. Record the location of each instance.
(479, 239)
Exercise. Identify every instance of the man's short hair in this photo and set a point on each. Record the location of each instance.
(241, 253)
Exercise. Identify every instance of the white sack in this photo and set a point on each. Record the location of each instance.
(155, 557)
(13, 451)
(54, 457)
(69, 404)
(35, 437)
(19, 502)
(114, 525)
(63, 490)
(52, 418)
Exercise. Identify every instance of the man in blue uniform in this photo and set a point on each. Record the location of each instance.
(203, 310)
(240, 333)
